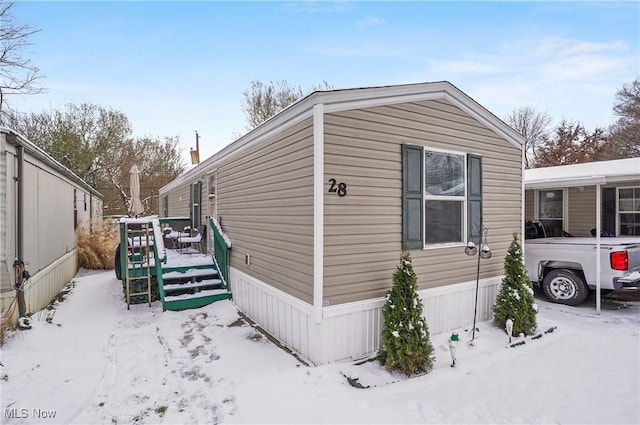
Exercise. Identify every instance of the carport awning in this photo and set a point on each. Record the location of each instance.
(564, 182)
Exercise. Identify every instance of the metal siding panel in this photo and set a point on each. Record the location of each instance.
(30, 218)
(376, 192)
(5, 278)
(49, 229)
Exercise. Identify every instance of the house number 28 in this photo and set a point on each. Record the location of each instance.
(339, 188)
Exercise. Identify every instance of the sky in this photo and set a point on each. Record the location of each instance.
(92, 361)
(175, 68)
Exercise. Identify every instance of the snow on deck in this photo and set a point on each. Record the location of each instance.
(187, 258)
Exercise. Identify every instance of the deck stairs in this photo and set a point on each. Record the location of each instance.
(191, 287)
(181, 284)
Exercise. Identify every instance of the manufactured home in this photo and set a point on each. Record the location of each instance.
(41, 204)
(320, 199)
(568, 199)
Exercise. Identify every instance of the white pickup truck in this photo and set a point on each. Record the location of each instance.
(565, 267)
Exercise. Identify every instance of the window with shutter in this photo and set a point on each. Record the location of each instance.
(441, 197)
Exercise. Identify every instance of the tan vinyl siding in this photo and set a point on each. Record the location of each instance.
(363, 229)
(529, 204)
(582, 210)
(265, 204)
(179, 201)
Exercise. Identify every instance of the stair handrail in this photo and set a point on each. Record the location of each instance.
(221, 247)
(159, 255)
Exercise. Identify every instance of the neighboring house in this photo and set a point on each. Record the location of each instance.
(41, 204)
(566, 198)
(319, 200)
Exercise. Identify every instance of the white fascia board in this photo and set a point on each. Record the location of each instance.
(635, 179)
(561, 183)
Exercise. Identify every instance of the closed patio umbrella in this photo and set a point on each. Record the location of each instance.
(135, 206)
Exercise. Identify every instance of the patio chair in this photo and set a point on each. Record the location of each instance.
(190, 241)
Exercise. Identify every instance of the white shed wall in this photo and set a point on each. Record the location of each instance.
(48, 216)
(49, 241)
(4, 266)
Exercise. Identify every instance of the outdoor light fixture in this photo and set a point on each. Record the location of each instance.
(485, 253)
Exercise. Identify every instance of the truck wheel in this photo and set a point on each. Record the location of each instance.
(565, 287)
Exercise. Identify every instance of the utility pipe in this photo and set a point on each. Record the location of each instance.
(22, 307)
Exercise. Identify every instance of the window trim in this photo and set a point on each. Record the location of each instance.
(618, 212)
(463, 199)
(565, 205)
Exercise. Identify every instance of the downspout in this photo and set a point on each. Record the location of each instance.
(19, 262)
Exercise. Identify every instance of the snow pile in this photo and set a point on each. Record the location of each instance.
(91, 361)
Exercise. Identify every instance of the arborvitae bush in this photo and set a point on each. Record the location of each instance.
(515, 299)
(405, 343)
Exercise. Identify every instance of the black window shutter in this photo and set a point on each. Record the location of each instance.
(197, 205)
(608, 224)
(191, 203)
(474, 197)
(412, 196)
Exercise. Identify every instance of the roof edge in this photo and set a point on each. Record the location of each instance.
(354, 98)
(48, 159)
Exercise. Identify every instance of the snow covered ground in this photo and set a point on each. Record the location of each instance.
(91, 361)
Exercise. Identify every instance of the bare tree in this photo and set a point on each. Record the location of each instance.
(17, 74)
(625, 133)
(262, 101)
(572, 144)
(86, 138)
(534, 127)
(97, 144)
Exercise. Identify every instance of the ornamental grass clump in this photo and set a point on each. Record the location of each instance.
(515, 299)
(96, 245)
(405, 345)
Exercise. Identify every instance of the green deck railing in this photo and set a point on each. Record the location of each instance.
(220, 251)
(157, 247)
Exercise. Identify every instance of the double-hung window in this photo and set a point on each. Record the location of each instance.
(629, 211)
(442, 197)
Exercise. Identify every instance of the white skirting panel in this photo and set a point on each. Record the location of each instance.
(44, 285)
(286, 318)
(352, 331)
